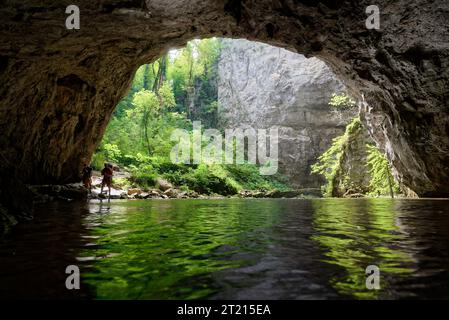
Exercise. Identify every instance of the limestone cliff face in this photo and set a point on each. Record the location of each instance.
(261, 86)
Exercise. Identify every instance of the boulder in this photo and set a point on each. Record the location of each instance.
(245, 194)
(133, 191)
(73, 191)
(182, 195)
(171, 193)
(142, 195)
(115, 193)
(192, 194)
(163, 184)
(258, 194)
(155, 192)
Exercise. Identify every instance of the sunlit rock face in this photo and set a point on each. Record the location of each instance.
(265, 87)
(59, 87)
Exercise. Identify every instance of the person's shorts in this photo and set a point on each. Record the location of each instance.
(107, 181)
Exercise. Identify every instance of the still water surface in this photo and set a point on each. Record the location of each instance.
(231, 249)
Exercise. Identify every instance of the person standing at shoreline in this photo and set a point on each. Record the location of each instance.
(107, 174)
(87, 177)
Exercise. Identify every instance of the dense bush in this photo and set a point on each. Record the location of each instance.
(209, 179)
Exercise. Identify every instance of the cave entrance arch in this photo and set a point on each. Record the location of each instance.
(59, 87)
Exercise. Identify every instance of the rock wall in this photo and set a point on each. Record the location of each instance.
(261, 86)
(59, 87)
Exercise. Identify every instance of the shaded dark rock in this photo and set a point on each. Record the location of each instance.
(192, 194)
(144, 195)
(63, 192)
(16, 201)
(312, 192)
(172, 193)
(288, 194)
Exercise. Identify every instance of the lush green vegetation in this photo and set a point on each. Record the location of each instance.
(382, 181)
(170, 94)
(331, 165)
(341, 101)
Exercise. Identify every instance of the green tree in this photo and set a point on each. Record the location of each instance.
(149, 107)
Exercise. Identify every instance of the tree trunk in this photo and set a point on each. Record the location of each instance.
(161, 74)
(146, 84)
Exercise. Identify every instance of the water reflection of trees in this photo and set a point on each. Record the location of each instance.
(355, 234)
(168, 249)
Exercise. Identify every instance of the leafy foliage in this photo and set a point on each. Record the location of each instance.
(341, 101)
(382, 181)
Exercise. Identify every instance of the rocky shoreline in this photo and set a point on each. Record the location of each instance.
(162, 190)
(75, 191)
